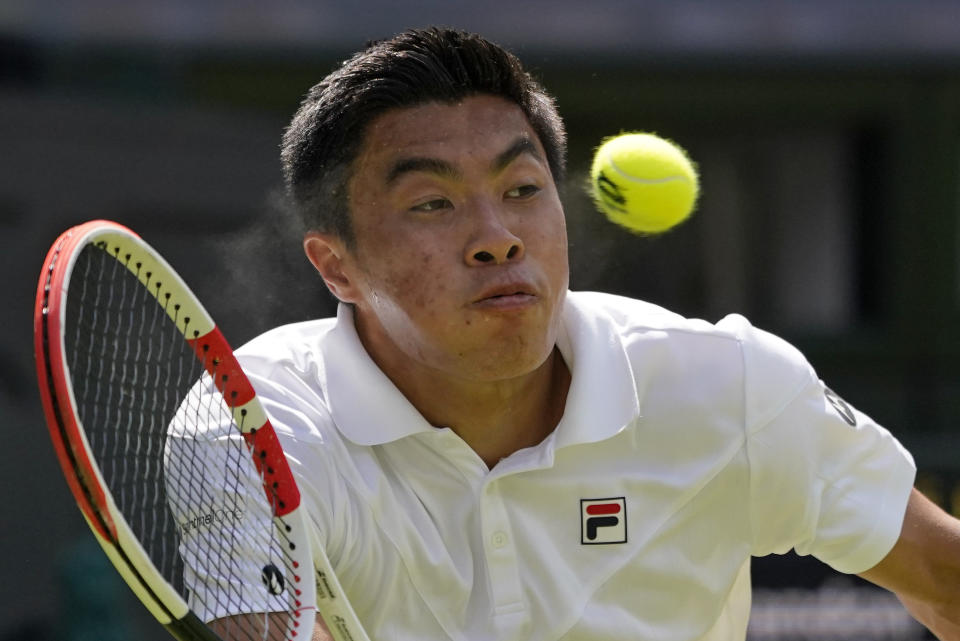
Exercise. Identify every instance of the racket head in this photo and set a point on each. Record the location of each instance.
(124, 533)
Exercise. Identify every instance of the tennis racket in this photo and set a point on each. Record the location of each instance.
(168, 451)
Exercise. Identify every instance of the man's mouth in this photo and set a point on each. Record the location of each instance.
(506, 296)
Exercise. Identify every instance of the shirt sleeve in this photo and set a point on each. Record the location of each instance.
(227, 538)
(227, 541)
(825, 479)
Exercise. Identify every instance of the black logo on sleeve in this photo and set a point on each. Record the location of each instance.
(272, 579)
(844, 410)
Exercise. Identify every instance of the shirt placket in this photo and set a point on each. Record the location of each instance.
(509, 610)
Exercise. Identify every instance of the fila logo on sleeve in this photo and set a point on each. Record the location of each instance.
(603, 521)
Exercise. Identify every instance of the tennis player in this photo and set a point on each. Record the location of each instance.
(487, 456)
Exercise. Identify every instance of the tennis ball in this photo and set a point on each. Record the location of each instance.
(643, 182)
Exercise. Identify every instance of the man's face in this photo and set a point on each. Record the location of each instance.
(460, 261)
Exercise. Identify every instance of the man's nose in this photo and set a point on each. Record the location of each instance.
(493, 241)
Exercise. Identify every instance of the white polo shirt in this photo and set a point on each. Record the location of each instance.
(684, 448)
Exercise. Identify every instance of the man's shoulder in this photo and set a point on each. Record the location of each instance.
(631, 316)
(732, 343)
(290, 341)
(286, 367)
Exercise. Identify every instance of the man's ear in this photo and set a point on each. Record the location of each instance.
(329, 255)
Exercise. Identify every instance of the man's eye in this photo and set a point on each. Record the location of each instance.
(523, 191)
(433, 205)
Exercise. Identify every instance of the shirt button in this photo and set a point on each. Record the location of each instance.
(499, 539)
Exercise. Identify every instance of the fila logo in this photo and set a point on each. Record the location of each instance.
(603, 521)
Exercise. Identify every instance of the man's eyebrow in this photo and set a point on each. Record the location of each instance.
(428, 165)
(520, 146)
(442, 168)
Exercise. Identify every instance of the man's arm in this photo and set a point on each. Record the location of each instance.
(923, 568)
(250, 626)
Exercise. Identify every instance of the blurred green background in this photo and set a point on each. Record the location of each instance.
(827, 136)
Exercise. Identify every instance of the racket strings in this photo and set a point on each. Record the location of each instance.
(235, 457)
(275, 545)
(167, 444)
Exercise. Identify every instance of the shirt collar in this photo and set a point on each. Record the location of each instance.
(366, 406)
(602, 400)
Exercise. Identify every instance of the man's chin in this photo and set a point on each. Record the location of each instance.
(497, 365)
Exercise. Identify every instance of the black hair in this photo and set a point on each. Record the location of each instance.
(415, 67)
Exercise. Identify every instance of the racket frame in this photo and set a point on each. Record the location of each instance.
(87, 483)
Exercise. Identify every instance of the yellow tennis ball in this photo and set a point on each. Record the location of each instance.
(643, 182)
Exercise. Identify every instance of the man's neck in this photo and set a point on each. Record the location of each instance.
(494, 418)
